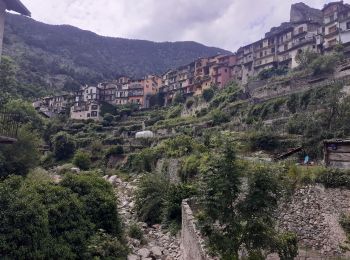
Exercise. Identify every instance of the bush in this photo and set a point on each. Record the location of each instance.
(219, 117)
(116, 150)
(174, 112)
(105, 246)
(135, 232)
(82, 160)
(335, 178)
(172, 204)
(263, 141)
(63, 146)
(287, 246)
(179, 99)
(150, 199)
(190, 167)
(98, 199)
(21, 156)
(189, 103)
(208, 94)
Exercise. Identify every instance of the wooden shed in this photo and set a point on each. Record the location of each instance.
(337, 153)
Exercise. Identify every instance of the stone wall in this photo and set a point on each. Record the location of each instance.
(266, 90)
(313, 214)
(192, 244)
(169, 168)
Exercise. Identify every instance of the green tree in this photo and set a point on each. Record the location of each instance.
(208, 94)
(63, 145)
(232, 223)
(21, 156)
(99, 201)
(150, 199)
(82, 160)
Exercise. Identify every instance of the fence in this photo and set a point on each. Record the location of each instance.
(8, 124)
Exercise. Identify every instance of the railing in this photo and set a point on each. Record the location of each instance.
(8, 124)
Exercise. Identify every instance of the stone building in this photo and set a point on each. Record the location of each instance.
(86, 110)
(11, 5)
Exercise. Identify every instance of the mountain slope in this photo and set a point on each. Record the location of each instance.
(55, 56)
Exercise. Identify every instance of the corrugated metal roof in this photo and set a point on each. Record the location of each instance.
(17, 6)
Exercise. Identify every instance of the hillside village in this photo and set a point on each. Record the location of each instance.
(240, 156)
(308, 29)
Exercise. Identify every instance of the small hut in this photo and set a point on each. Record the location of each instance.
(337, 153)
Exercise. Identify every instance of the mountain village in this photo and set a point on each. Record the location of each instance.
(308, 29)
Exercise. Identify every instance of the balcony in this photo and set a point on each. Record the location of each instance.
(8, 127)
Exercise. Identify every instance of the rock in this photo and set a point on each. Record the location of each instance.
(144, 252)
(133, 257)
(75, 169)
(112, 179)
(156, 251)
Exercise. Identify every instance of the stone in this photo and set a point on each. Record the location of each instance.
(144, 252)
(156, 251)
(133, 257)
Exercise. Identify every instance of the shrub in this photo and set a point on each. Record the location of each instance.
(263, 141)
(108, 118)
(150, 199)
(63, 145)
(21, 156)
(135, 232)
(286, 246)
(105, 246)
(190, 167)
(335, 178)
(189, 103)
(116, 150)
(172, 204)
(292, 103)
(219, 117)
(178, 99)
(174, 112)
(82, 160)
(208, 94)
(98, 199)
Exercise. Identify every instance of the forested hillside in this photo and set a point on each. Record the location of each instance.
(60, 57)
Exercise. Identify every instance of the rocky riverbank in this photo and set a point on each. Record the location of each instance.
(158, 244)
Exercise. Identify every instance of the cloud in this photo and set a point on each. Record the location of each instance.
(228, 24)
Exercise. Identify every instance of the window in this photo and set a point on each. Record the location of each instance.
(301, 30)
(88, 115)
(286, 47)
(348, 25)
(261, 54)
(273, 50)
(94, 114)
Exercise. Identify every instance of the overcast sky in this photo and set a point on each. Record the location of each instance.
(227, 24)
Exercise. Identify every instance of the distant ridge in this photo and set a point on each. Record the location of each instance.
(58, 56)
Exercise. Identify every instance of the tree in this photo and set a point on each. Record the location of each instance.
(231, 223)
(63, 145)
(150, 198)
(21, 156)
(98, 199)
(208, 94)
(178, 99)
(82, 160)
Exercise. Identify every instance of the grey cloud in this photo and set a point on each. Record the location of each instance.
(227, 24)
